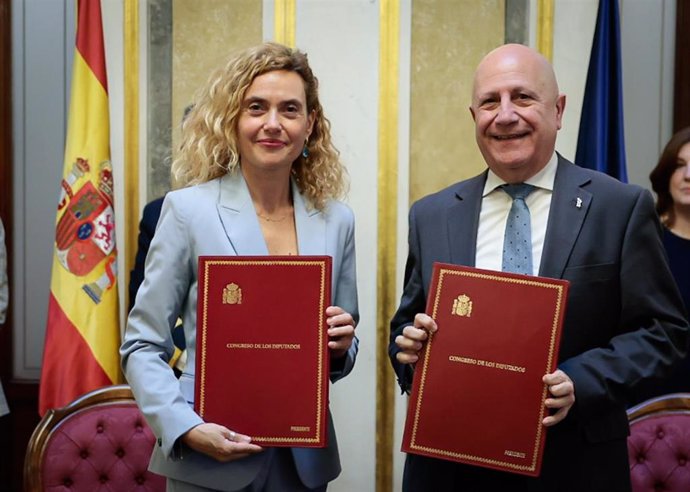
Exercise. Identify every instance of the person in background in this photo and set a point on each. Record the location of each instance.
(671, 183)
(147, 228)
(260, 176)
(624, 320)
(4, 300)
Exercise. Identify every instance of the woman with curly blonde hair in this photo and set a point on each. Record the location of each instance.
(257, 175)
(209, 143)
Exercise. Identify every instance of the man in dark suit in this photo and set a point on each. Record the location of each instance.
(624, 322)
(147, 227)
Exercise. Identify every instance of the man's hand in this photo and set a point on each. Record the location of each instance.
(220, 443)
(562, 391)
(413, 337)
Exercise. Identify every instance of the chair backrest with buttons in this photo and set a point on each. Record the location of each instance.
(98, 442)
(659, 444)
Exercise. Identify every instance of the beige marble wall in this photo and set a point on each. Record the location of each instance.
(205, 34)
(449, 37)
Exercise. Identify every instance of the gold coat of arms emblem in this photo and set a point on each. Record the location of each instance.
(462, 306)
(232, 294)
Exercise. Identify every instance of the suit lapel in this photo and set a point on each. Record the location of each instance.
(310, 224)
(238, 217)
(569, 205)
(463, 220)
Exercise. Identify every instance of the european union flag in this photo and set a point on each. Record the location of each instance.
(601, 142)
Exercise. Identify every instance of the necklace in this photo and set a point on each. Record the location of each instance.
(272, 219)
(269, 219)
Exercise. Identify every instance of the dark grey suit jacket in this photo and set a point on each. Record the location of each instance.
(624, 323)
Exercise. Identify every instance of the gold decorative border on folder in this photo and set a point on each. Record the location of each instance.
(321, 335)
(552, 348)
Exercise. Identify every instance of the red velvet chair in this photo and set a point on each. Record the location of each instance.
(98, 442)
(659, 444)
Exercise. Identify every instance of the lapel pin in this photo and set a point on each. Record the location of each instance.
(578, 202)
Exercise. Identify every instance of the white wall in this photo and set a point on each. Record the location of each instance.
(647, 36)
(42, 50)
(574, 22)
(340, 39)
(113, 37)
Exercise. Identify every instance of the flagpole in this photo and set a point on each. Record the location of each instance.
(131, 137)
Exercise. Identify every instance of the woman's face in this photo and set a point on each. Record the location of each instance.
(273, 123)
(679, 186)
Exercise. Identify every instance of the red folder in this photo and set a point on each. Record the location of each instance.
(477, 395)
(262, 362)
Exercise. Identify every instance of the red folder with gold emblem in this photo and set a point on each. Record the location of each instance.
(262, 362)
(477, 395)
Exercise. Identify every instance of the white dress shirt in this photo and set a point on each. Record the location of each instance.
(496, 204)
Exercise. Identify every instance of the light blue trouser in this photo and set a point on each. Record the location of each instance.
(279, 476)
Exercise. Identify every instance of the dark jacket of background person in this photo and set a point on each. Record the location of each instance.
(147, 227)
(673, 159)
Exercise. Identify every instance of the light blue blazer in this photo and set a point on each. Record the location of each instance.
(218, 218)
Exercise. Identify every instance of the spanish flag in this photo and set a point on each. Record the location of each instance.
(83, 329)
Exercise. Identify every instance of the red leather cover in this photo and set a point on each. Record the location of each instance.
(477, 394)
(262, 362)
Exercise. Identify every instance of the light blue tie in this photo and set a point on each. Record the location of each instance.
(517, 242)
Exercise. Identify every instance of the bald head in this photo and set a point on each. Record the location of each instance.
(517, 58)
(517, 111)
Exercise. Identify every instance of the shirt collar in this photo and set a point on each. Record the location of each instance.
(543, 179)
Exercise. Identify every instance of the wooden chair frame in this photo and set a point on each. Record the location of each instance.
(51, 421)
(665, 404)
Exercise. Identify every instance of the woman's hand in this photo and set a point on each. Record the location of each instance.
(220, 443)
(341, 330)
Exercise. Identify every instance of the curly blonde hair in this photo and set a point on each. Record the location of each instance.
(209, 145)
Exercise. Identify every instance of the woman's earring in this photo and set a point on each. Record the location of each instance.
(305, 150)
